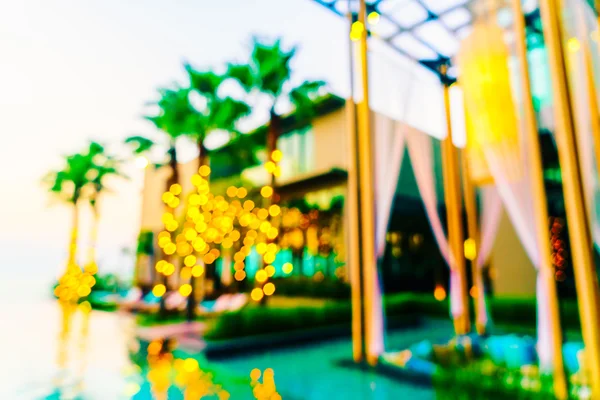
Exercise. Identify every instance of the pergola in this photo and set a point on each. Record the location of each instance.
(425, 31)
(429, 32)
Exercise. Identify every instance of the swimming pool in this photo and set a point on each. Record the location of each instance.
(99, 367)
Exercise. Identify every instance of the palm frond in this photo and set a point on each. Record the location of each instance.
(204, 82)
(242, 73)
(141, 144)
(303, 98)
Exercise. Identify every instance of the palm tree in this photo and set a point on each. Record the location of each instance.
(172, 120)
(68, 185)
(104, 166)
(214, 112)
(268, 72)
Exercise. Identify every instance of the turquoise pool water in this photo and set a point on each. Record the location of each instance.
(100, 367)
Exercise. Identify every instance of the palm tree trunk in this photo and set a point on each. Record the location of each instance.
(92, 266)
(72, 259)
(173, 179)
(272, 137)
(203, 159)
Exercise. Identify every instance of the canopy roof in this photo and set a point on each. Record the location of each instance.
(426, 31)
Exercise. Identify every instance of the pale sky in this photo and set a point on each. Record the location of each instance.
(74, 70)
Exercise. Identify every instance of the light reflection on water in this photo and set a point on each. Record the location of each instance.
(100, 365)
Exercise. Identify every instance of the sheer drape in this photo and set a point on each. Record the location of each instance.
(389, 150)
(421, 156)
(491, 208)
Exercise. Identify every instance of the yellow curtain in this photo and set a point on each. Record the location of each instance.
(492, 127)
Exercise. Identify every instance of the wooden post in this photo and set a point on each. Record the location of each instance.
(452, 195)
(353, 219)
(579, 231)
(540, 204)
(366, 190)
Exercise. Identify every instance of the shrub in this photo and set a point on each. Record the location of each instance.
(302, 286)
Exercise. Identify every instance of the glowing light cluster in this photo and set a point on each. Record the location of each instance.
(166, 371)
(212, 224)
(265, 390)
(75, 283)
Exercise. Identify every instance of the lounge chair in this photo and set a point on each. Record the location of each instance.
(131, 298)
(175, 301)
(224, 303)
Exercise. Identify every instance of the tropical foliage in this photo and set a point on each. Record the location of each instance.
(268, 72)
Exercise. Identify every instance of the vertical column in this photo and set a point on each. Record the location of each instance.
(540, 204)
(581, 244)
(367, 198)
(452, 195)
(474, 239)
(353, 213)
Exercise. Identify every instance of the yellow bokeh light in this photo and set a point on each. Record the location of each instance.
(160, 266)
(189, 260)
(159, 290)
(272, 233)
(83, 290)
(184, 249)
(185, 273)
(274, 210)
(276, 155)
(272, 247)
(232, 191)
(470, 249)
(266, 191)
(261, 275)
(270, 166)
(239, 275)
(239, 256)
(175, 189)
(168, 269)
(257, 294)
(264, 226)
(167, 197)
(209, 258)
(238, 266)
(174, 203)
(261, 248)
(439, 293)
(373, 18)
(204, 170)
(269, 288)
(190, 235)
(255, 374)
(197, 271)
(170, 248)
(262, 213)
(171, 225)
(166, 218)
(190, 365)
(270, 270)
(154, 348)
(269, 257)
(242, 192)
(287, 268)
(185, 290)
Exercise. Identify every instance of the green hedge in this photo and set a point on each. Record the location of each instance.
(301, 286)
(254, 320)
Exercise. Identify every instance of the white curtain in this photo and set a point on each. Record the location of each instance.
(421, 157)
(389, 150)
(491, 209)
(512, 178)
(584, 23)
